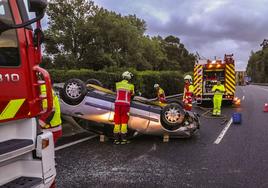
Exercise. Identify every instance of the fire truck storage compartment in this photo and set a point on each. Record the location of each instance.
(210, 79)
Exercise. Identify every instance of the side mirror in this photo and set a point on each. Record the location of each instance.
(37, 6)
(38, 37)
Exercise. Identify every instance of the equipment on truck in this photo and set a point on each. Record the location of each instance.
(206, 75)
(26, 153)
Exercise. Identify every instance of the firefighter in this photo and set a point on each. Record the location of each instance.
(160, 93)
(124, 93)
(53, 122)
(188, 93)
(218, 90)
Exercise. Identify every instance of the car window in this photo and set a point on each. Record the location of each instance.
(2, 10)
(9, 50)
(5, 14)
(31, 15)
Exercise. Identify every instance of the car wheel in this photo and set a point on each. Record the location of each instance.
(73, 92)
(94, 81)
(172, 117)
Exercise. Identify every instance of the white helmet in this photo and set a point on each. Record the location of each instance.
(127, 75)
(156, 85)
(188, 77)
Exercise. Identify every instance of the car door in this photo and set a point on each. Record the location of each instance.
(139, 116)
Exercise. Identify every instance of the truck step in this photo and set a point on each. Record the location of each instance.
(23, 182)
(15, 147)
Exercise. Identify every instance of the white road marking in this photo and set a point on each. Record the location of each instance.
(75, 142)
(243, 98)
(223, 132)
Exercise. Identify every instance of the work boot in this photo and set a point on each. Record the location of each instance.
(124, 139)
(117, 142)
(123, 142)
(116, 138)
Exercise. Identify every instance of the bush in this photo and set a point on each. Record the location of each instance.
(170, 81)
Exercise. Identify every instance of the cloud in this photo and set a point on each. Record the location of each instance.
(211, 27)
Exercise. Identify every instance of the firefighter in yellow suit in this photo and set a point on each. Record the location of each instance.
(218, 90)
(53, 123)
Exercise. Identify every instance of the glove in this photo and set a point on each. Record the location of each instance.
(185, 101)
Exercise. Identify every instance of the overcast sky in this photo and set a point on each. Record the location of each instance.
(211, 27)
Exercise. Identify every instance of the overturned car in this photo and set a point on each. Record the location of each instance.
(92, 106)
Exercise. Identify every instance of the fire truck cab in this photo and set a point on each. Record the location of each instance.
(206, 75)
(26, 152)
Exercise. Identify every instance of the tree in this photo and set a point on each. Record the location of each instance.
(68, 30)
(82, 35)
(257, 66)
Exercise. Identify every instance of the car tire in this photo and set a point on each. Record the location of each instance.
(73, 92)
(172, 117)
(94, 81)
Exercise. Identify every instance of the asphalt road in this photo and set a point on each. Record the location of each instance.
(240, 159)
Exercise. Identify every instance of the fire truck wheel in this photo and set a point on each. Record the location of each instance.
(73, 92)
(172, 117)
(94, 81)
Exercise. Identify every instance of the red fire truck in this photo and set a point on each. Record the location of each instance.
(26, 152)
(208, 72)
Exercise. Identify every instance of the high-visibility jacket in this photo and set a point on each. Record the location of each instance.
(56, 119)
(161, 95)
(188, 91)
(124, 90)
(218, 90)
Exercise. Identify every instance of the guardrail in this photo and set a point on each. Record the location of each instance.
(169, 97)
(260, 84)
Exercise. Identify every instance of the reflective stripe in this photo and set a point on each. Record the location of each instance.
(56, 120)
(124, 128)
(54, 129)
(116, 128)
(11, 109)
(230, 79)
(124, 91)
(220, 88)
(125, 100)
(198, 77)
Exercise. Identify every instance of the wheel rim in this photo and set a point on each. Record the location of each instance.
(172, 115)
(73, 90)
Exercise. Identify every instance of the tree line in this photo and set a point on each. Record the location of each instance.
(257, 66)
(82, 35)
